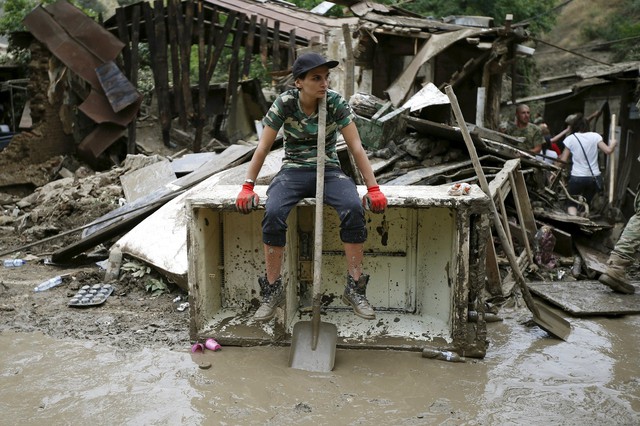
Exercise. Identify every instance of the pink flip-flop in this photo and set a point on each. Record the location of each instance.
(212, 345)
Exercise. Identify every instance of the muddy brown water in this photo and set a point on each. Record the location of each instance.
(526, 378)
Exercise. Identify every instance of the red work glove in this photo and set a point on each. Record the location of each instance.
(247, 199)
(374, 200)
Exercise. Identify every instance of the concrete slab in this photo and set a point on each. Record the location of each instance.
(586, 298)
(146, 180)
(190, 162)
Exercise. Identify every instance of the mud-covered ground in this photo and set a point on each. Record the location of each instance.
(131, 318)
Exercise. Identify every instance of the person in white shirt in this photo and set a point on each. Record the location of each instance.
(582, 146)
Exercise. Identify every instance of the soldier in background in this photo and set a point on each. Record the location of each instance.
(523, 128)
(622, 255)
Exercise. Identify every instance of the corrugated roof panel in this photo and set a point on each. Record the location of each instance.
(307, 25)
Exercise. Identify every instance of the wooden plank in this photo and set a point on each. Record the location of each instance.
(275, 54)
(202, 81)
(587, 298)
(248, 51)
(221, 39)
(593, 259)
(292, 48)
(264, 46)
(185, 58)
(123, 34)
(522, 205)
(349, 63)
(172, 12)
(158, 45)
(494, 279)
(133, 72)
(415, 176)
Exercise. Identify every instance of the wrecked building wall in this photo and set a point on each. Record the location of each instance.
(47, 138)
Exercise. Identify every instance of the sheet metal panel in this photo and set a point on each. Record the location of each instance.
(587, 298)
(85, 30)
(97, 107)
(71, 53)
(306, 24)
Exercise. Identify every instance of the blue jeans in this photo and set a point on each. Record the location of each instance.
(293, 184)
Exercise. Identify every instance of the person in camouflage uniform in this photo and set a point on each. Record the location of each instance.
(622, 255)
(296, 112)
(523, 128)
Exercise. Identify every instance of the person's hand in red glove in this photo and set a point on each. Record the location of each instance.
(374, 200)
(247, 199)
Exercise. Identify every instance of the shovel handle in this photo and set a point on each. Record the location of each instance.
(484, 185)
(317, 251)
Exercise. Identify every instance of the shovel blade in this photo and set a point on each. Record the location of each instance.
(304, 357)
(551, 322)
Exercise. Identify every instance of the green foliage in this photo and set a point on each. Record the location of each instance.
(156, 287)
(136, 269)
(540, 12)
(623, 29)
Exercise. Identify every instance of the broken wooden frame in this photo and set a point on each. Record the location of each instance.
(510, 181)
(172, 30)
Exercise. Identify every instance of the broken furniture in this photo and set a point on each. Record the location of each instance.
(425, 256)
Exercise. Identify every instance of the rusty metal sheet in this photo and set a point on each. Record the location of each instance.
(93, 36)
(587, 298)
(101, 138)
(69, 51)
(98, 109)
(307, 25)
(120, 92)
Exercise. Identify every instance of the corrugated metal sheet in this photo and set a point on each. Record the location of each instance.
(86, 31)
(307, 25)
(70, 52)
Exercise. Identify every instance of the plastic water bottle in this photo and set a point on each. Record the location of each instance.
(50, 283)
(442, 355)
(14, 263)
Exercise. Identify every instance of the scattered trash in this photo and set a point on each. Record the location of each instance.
(177, 299)
(14, 263)
(113, 264)
(212, 345)
(197, 347)
(545, 242)
(91, 295)
(183, 306)
(442, 355)
(50, 283)
(459, 189)
(204, 365)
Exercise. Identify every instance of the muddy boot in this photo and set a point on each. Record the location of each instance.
(615, 276)
(272, 297)
(355, 295)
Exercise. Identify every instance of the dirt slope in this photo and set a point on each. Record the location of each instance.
(569, 33)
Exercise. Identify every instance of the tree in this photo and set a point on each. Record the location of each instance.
(540, 14)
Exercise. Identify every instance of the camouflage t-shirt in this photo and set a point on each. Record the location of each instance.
(532, 135)
(301, 131)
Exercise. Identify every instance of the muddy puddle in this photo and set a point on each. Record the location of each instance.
(526, 378)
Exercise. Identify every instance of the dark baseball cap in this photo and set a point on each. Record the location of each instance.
(309, 61)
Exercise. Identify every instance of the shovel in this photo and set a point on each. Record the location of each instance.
(313, 344)
(542, 316)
